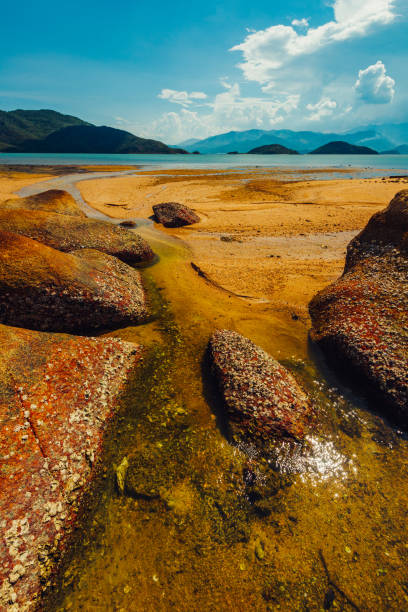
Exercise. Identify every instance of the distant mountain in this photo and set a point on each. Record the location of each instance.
(340, 147)
(20, 125)
(380, 138)
(401, 150)
(273, 149)
(47, 131)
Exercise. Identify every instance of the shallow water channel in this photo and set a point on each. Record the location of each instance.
(207, 525)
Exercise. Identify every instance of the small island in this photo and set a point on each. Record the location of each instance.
(273, 149)
(340, 147)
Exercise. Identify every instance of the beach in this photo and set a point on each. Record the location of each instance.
(330, 523)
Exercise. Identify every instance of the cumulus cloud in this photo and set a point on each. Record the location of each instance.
(228, 111)
(300, 23)
(324, 108)
(374, 86)
(265, 51)
(182, 97)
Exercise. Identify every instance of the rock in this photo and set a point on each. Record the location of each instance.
(171, 214)
(128, 223)
(262, 398)
(361, 320)
(49, 449)
(53, 200)
(67, 233)
(44, 289)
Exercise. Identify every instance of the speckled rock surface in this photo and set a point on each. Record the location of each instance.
(44, 289)
(262, 398)
(172, 214)
(52, 200)
(67, 233)
(57, 393)
(361, 320)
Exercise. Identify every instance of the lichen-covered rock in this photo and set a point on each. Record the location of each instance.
(262, 398)
(45, 289)
(361, 320)
(67, 233)
(52, 200)
(172, 214)
(57, 393)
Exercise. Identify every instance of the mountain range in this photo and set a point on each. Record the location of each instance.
(47, 131)
(381, 138)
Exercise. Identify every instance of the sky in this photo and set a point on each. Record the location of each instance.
(187, 69)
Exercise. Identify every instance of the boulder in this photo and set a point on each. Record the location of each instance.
(262, 398)
(171, 214)
(47, 290)
(67, 233)
(361, 320)
(53, 200)
(50, 449)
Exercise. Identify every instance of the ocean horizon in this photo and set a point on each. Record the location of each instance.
(369, 164)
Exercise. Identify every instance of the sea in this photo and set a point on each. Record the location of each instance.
(365, 165)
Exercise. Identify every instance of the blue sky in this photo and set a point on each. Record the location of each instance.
(191, 69)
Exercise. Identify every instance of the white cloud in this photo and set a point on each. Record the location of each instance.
(181, 97)
(300, 23)
(267, 50)
(324, 108)
(228, 111)
(374, 86)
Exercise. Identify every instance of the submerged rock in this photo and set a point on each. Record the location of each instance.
(67, 233)
(361, 320)
(52, 200)
(262, 398)
(57, 393)
(44, 289)
(172, 214)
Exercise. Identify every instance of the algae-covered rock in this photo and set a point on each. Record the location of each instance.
(262, 398)
(172, 214)
(361, 320)
(52, 200)
(44, 289)
(57, 392)
(68, 233)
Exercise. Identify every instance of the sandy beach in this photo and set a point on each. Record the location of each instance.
(275, 236)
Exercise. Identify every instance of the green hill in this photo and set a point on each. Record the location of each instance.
(47, 131)
(340, 147)
(273, 149)
(20, 125)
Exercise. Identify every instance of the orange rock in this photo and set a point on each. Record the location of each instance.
(45, 289)
(53, 200)
(57, 393)
(67, 233)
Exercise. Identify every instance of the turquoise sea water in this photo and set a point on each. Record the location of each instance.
(367, 163)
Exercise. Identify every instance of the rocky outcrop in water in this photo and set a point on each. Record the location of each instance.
(53, 200)
(57, 393)
(67, 233)
(262, 398)
(172, 214)
(45, 289)
(361, 320)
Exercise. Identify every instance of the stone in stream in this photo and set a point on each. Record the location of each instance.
(44, 289)
(57, 393)
(67, 233)
(172, 214)
(361, 320)
(262, 398)
(52, 200)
